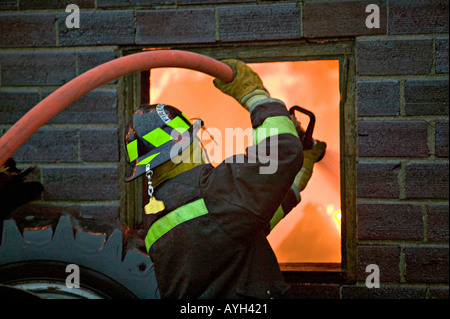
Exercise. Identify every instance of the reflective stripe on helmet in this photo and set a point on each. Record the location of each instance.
(132, 150)
(157, 137)
(174, 218)
(147, 160)
(178, 124)
(275, 125)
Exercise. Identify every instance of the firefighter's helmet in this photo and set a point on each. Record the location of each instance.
(154, 135)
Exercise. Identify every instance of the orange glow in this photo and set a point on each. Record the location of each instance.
(311, 231)
(154, 49)
(336, 215)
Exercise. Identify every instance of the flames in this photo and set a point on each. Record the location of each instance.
(311, 232)
(336, 215)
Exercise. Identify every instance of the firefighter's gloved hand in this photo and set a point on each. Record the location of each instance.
(246, 87)
(310, 157)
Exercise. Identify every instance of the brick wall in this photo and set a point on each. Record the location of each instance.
(402, 184)
(402, 105)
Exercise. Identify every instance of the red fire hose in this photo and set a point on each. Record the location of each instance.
(76, 88)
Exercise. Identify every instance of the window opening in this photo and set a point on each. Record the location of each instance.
(311, 232)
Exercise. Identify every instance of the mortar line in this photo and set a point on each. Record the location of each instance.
(387, 16)
(401, 178)
(431, 138)
(79, 146)
(402, 265)
(399, 77)
(402, 98)
(396, 201)
(425, 223)
(216, 21)
(302, 9)
(77, 69)
(56, 30)
(433, 48)
(135, 26)
(403, 118)
(404, 243)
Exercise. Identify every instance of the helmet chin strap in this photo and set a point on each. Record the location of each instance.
(154, 206)
(203, 150)
(203, 129)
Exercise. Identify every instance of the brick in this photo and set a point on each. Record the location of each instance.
(426, 97)
(394, 56)
(97, 28)
(188, 2)
(99, 145)
(15, 103)
(442, 55)
(438, 292)
(378, 98)
(39, 29)
(81, 183)
(49, 145)
(100, 211)
(34, 175)
(90, 59)
(37, 68)
(340, 18)
(384, 292)
(377, 180)
(426, 264)
(392, 138)
(438, 226)
(54, 4)
(387, 258)
(259, 22)
(97, 107)
(9, 5)
(133, 3)
(45, 211)
(175, 26)
(441, 139)
(418, 16)
(427, 180)
(313, 291)
(390, 222)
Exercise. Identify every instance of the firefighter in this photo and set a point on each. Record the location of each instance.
(208, 225)
(15, 190)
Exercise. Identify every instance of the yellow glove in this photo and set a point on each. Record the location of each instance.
(310, 157)
(246, 87)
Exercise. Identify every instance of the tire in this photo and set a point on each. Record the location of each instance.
(110, 266)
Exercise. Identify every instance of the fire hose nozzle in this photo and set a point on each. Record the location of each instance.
(306, 136)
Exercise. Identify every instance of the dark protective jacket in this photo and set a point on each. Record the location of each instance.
(210, 241)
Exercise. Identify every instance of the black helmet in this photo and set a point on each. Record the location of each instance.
(151, 135)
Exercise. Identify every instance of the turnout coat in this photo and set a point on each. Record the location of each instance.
(210, 240)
